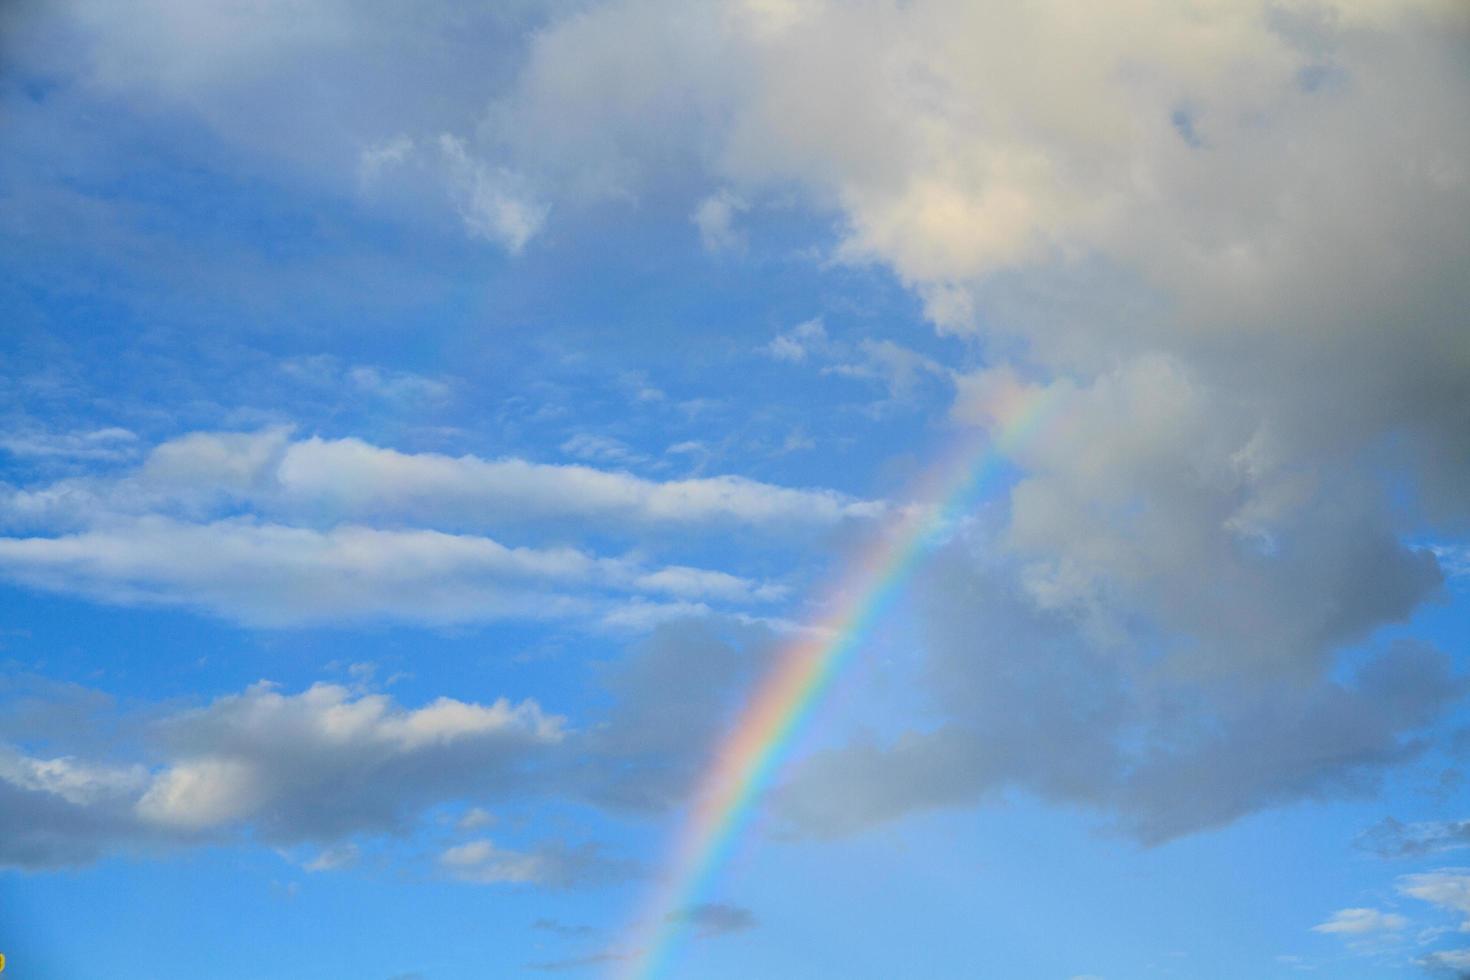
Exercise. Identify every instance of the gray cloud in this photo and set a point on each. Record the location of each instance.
(46, 823)
(674, 695)
(559, 928)
(600, 958)
(1447, 962)
(333, 764)
(1252, 323)
(318, 766)
(1390, 838)
(715, 918)
(1030, 698)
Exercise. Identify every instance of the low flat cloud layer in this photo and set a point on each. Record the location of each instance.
(258, 528)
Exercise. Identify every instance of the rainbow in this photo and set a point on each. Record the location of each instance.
(745, 762)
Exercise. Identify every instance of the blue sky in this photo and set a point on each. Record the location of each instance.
(423, 428)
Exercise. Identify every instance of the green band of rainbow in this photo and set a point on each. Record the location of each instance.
(744, 763)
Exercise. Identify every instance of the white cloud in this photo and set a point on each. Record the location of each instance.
(203, 793)
(382, 158)
(1165, 215)
(335, 377)
(1454, 559)
(277, 575)
(398, 386)
(800, 341)
(483, 862)
(348, 479)
(715, 218)
(305, 87)
(171, 47)
(76, 782)
(897, 368)
(1361, 922)
(168, 531)
(1448, 888)
(475, 818)
(600, 449)
(334, 858)
(490, 199)
(108, 444)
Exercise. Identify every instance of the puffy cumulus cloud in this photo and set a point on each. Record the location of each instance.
(1247, 324)
(1149, 494)
(1360, 922)
(950, 148)
(1185, 181)
(318, 766)
(1028, 696)
(323, 764)
(1248, 316)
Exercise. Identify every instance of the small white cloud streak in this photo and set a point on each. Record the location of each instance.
(1361, 922)
(714, 217)
(489, 201)
(1448, 888)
